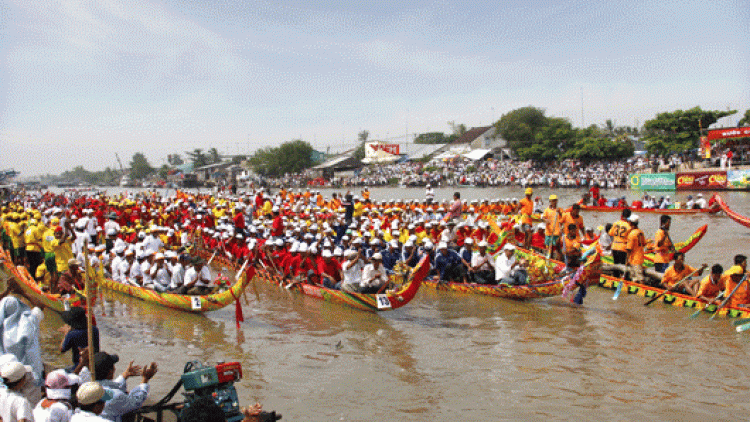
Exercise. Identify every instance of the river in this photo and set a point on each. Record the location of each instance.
(449, 357)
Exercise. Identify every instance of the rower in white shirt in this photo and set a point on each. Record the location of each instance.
(507, 269)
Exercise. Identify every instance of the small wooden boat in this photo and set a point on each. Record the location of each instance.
(674, 299)
(651, 210)
(739, 218)
(188, 303)
(21, 282)
(386, 301)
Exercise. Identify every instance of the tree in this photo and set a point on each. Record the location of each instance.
(363, 135)
(550, 141)
(140, 167)
(198, 158)
(289, 157)
(213, 156)
(520, 126)
(238, 159)
(164, 171)
(175, 160)
(458, 129)
(431, 138)
(587, 148)
(745, 121)
(679, 131)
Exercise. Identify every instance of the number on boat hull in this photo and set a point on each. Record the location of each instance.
(383, 301)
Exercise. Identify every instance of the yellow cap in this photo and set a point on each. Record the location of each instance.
(553, 197)
(529, 191)
(735, 269)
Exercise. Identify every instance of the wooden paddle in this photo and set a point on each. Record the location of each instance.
(724, 303)
(618, 290)
(89, 307)
(698, 312)
(740, 321)
(675, 286)
(743, 327)
(211, 259)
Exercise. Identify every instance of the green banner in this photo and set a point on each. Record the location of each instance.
(738, 179)
(657, 181)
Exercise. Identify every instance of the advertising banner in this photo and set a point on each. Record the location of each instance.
(381, 153)
(656, 181)
(728, 133)
(738, 179)
(713, 180)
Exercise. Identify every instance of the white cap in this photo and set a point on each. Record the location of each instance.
(442, 245)
(378, 256)
(326, 254)
(469, 240)
(14, 371)
(633, 218)
(483, 244)
(92, 392)
(509, 247)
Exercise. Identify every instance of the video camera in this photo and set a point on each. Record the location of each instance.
(217, 382)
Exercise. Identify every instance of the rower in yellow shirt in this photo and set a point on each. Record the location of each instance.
(359, 208)
(33, 239)
(62, 248)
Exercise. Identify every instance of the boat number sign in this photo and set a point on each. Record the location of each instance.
(383, 301)
(195, 301)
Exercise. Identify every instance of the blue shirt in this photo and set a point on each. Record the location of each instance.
(443, 262)
(390, 258)
(78, 339)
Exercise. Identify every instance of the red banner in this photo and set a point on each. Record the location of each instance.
(728, 133)
(702, 180)
(389, 148)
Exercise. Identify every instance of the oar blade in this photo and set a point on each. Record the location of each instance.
(618, 290)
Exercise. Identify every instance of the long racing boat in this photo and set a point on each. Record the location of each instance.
(668, 211)
(672, 298)
(188, 303)
(386, 301)
(22, 283)
(739, 218)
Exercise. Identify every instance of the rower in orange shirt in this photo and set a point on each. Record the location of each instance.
(635, 249)
(573, 217)
(619, 233)
(526, 209)
(733, 276)
(711, 285)
(552, 217)
(663, 245)
(678, 271)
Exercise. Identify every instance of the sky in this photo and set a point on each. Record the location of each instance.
(81, 81)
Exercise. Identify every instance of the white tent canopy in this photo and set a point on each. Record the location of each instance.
(477, 154)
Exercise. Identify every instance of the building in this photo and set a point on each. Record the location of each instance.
(481, 138)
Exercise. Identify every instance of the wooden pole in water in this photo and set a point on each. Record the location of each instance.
(89, 308)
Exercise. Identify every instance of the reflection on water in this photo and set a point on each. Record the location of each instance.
(449, 356)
